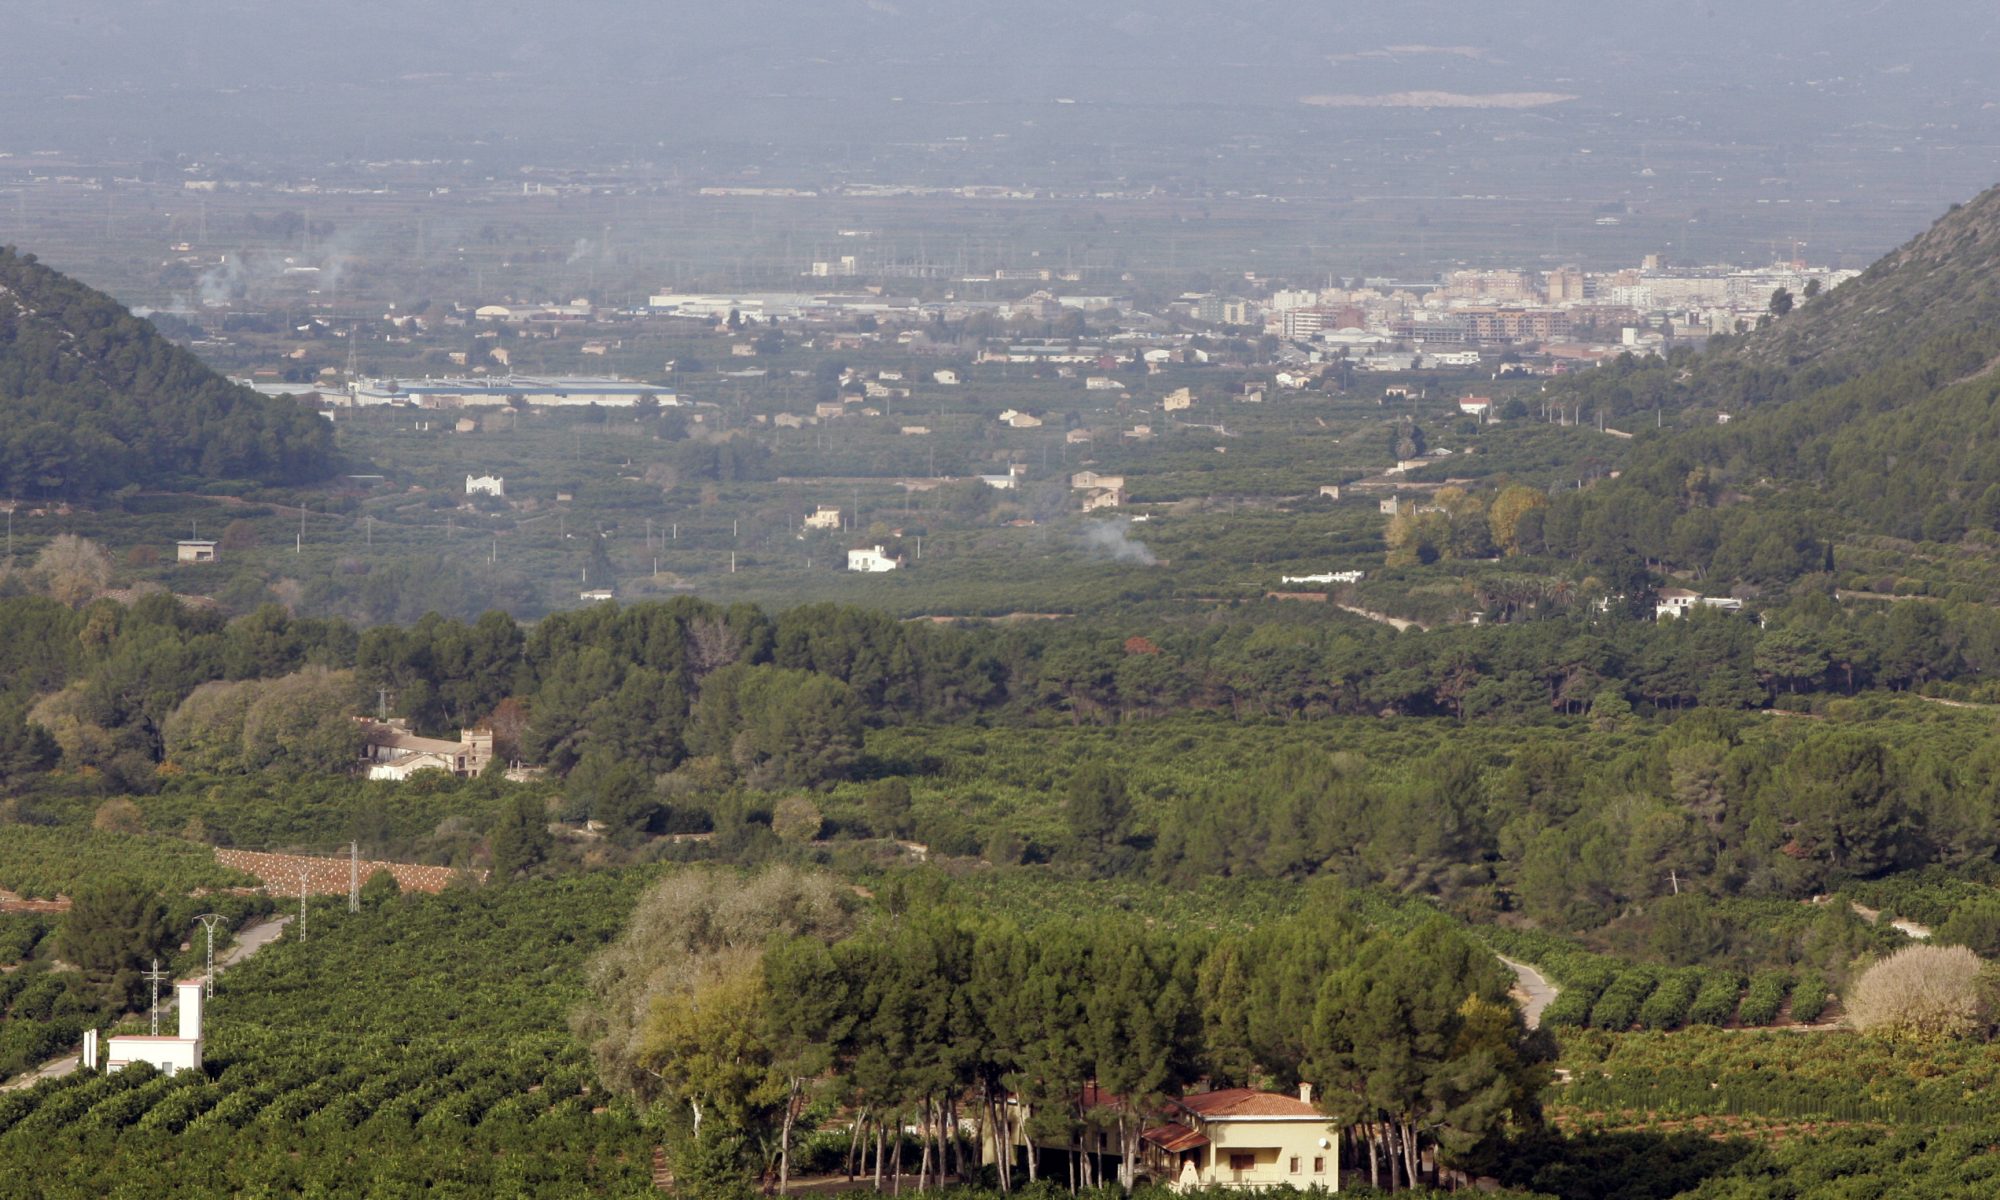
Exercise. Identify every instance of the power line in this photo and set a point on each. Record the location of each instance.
(154, 977)
(209, 921)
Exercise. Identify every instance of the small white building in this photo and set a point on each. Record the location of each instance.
(181, 1052)
(945, 376)
(1675, 601)
(872, 561)
(823, 517)
(1324, 577)
(1178, 400)
(1110, 497)
(596, 595)
(485, 485)
(194, 550)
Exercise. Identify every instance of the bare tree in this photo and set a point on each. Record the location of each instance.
(73, 569)
(1919, 993)
(711, 646)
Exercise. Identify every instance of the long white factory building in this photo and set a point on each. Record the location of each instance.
(503, 391)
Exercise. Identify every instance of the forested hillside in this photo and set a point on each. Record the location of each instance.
(1869, 409)
(93, 399)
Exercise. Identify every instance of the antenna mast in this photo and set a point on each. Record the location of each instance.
(353, 877)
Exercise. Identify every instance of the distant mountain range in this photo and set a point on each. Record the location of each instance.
(93, 399)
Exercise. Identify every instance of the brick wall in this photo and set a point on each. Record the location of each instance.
(281, 873)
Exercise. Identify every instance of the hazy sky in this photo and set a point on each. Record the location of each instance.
(388, 76)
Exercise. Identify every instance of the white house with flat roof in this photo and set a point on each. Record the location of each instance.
(181, 1052)
(872, 561)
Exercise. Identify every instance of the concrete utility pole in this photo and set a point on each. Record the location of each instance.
(209, 921)
(154, 977)
(302, 905)
(353, 877)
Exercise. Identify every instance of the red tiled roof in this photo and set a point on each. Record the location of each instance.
(1245, 1102)
(1174, 1138)
(1221, 1104)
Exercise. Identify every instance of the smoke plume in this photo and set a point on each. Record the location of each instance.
(1111, 538)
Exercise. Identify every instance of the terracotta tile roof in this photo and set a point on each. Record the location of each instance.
(1222, 1104)
(1244, 1102)
(1174, 1138)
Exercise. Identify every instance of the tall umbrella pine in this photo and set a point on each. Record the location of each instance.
(807, 1015)
(1405, 1045)
(1135, 1033)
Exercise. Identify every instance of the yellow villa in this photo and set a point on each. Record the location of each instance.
(1228, 1138)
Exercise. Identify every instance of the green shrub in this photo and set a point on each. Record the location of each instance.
(1667, 1006)
(1761, 1004)
(1715, 1003)
(1618, 1007)
(1809, 997)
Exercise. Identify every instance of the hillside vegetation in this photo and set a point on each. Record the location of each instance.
(94, 399)
(1867, 411)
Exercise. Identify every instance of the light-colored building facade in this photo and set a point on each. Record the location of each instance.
(1089, 480)
(1236, 1138)
(1673, 602)
(391, 751)
(194, 550)
(179, 1052)
(872, 561)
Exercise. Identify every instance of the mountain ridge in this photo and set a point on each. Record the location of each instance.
(93, 399)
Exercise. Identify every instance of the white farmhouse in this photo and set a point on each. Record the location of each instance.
(170, 1054)
(485, 485)
(872, 561)
(1675, 601)
(823, 517)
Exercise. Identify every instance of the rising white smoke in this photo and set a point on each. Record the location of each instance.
(1112, 538)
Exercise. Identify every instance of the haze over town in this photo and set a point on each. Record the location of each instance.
(841, 597)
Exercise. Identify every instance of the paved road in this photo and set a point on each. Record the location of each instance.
(1536, 992)
(251, 939)
(1398, 623)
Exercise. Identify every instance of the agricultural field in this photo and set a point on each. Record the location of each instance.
(420, 1043)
